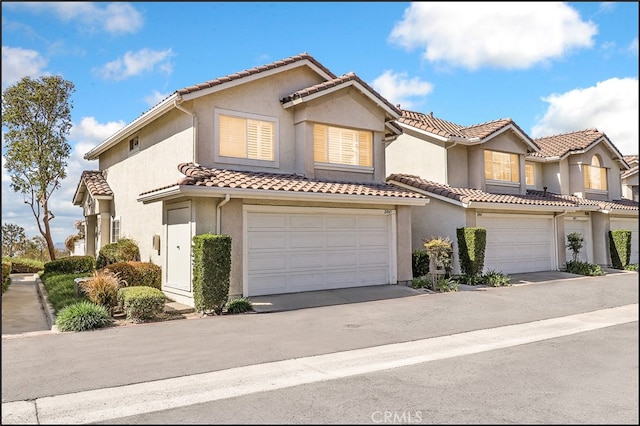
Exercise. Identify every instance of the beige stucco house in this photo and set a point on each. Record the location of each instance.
(286, 158)
(528, 194)
(630, 179)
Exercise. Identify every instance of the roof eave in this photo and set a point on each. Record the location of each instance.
(207, 191)
(155, 112)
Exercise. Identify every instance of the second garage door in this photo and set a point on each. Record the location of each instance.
(302, 249)
(518, 243)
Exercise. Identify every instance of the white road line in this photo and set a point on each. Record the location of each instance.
(111, 403)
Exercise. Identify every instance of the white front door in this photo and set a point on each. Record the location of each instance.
(302, 249)
(518, 243)
(179, 249)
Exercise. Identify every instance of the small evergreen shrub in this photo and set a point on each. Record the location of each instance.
(631, 267)
(238, 306)
(82, 316)
(211, 272)
(421, 282)
(620, 247)
(584, 268)
(141, 303)
(496, 279)
(446, 284)
(472, 242)
(134, 273)
(420, 264)
(71, 265)
(25, 266)
(102, 289)
(124, 250)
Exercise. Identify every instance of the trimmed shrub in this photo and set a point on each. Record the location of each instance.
(238, 306)
(211, 271)
(584, 268)
(123, 250)
(137, 274)
(496, 279)
(140, 303)
(472, 242)
(82, 316)
(71, 265)
(102, 289)
(620, 247)
(25, 266)
(6, 271)
(420, 263)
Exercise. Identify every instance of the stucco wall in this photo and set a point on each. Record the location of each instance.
(457, 166)
(410, 154)
(437, 219)
(627, 183)
(600, 235)
(576, 174)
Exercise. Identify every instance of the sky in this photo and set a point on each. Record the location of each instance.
(552, 67)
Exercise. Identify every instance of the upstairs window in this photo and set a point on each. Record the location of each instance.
(595, 176)
(247, 137)
(501, 166)
(338, 145)
(530, 174)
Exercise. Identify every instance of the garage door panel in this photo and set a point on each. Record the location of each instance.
(302, 240)
(316, 251)
(518, 243)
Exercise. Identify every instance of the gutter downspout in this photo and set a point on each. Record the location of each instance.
(555, 235)
(227, 197)
(195, 127)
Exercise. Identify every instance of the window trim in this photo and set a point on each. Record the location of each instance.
(326, 165)
(245, 161)
(587, 175)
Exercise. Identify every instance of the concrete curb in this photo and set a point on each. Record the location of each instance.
(46, 306)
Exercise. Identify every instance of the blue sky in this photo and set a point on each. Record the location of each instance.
(552, 67)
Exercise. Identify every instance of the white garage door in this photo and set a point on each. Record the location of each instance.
(518, 243)
(302, 249)
(632, 225)
(583, 227)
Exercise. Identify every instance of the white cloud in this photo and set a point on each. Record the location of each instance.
(398, 88)
(511, 35)
(18, 63)
(135, 63)
(155, 97)
(114, 18)
(611, 106)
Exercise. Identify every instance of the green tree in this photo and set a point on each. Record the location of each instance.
(36, 248)
(37, 114)
(13, 239)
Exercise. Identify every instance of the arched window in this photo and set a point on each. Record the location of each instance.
(595, 176)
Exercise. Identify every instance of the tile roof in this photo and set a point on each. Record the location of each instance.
(532, 197)
(447, 129)
(301, 94)
(630, 159)
(255, 70)
(96, 183)
(562, 144)
(197, 175)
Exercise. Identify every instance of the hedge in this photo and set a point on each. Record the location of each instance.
(123, 250)
(25, 266)
(137, 273)
(71, 265)
(420, 263)
(211, 271)
(472, 243)
(6, 271)
(141, 303)
(620, 247)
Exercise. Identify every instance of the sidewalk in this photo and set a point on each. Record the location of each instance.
(22, 310)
